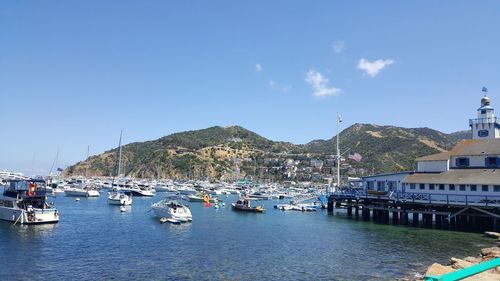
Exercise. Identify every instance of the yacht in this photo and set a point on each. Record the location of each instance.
(172, 211)
(137, 191)
(25, 202)
(80, 188)
(81, 192)
(163, 187)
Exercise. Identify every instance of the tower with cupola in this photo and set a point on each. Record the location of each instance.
(486, 125)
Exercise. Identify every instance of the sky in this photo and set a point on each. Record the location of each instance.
(74, 73)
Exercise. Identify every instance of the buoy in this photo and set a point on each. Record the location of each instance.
(223, 204)
(77, 199)
(122, 209)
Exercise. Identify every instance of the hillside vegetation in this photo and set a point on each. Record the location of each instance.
(221, 152)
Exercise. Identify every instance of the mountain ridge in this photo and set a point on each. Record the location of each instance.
(225, 152)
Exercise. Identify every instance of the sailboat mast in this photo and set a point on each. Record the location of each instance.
(120, 154)
(87, 166)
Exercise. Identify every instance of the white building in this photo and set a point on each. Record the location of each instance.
(470, 172)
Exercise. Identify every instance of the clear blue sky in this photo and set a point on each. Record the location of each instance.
(73, 73)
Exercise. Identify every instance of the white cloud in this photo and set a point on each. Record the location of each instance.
(320, 84)
(338, 46)
(258, 67)
(374, 67)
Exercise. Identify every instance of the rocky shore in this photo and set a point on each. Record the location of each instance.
(456, 263)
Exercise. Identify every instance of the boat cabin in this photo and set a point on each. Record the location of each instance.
(25, 188)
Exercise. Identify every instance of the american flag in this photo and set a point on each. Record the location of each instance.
(355, 156)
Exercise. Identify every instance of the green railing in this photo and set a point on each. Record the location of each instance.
(465, 272)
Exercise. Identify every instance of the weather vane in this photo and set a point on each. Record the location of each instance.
(485, 90)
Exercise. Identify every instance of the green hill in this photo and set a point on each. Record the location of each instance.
(222, 152)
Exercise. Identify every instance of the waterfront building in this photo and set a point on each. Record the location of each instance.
(468, 173)
(457, 189)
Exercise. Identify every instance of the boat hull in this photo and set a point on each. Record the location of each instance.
(22, 217)
(247, 209)
(119, 201)
(139, 192)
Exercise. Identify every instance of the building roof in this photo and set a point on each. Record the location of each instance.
(476, 147)
(458, 176)
(443, 156)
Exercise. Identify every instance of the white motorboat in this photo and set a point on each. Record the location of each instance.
(172, 211)
(92, 193)
(136, 191)
(119, 198)
(24, 201)
(164, 188)
(81, 192)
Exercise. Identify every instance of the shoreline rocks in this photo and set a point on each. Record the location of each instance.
(456, 263)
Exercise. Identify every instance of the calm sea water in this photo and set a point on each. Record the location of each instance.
(95, 241)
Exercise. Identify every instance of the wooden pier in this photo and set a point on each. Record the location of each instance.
(461, 214)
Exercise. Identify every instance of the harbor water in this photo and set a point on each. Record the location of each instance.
(96, 241)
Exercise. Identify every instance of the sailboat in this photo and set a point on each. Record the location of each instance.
(117, 197)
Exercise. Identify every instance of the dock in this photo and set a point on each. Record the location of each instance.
(471, 213)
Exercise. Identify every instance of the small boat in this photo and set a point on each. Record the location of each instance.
(172, 210)
(244, 205)
(295, 207)
(260, 195)
(201, 197)
(119, 198)
(164, 188)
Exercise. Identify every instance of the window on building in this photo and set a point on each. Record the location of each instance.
(392, 185)
(412, 186)
(473, 187)
(462, 162)
(431, 186)
(492, 162)
(496, 188)
(483, 111)
(462, 187)
(380, 185)
(452, 187)
(369, 184)
(441, 187)
(422, 186)
(484, 188)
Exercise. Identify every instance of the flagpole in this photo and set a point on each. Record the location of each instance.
(338, 154)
